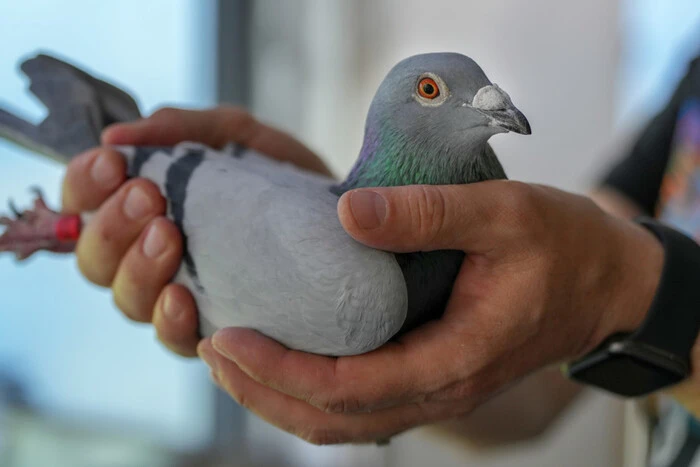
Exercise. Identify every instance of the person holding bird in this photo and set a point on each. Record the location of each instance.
(537, 277)
(508, 314)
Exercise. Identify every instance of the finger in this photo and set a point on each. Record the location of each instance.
(115, 226)
(148, 266)
(308, 422)
(175, 320)
(91, 178)
(419, 364)
(471, 218)
(216, 128)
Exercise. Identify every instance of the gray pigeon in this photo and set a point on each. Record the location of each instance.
(263, 244)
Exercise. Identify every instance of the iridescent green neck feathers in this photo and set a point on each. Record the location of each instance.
(388, 158)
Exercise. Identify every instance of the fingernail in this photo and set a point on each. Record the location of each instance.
(368, 208)
(221, 341)
(103, 173)
(137, 203)
(154, 244)
(171, 309)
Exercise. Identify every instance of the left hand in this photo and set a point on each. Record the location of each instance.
(112, 250)
(548, 276)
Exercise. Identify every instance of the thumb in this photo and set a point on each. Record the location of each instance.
(423, 217)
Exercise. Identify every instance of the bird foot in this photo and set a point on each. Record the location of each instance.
(36, 229)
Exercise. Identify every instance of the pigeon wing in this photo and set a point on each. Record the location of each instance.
(269, 253)
(79, 108)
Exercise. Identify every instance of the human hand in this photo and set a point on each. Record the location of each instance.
(129, 245)
(547, 277)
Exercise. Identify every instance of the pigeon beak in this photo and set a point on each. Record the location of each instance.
(510, 120)
(495, 104)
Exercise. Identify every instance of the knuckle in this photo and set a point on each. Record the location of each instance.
(428, 212)
(237, 124)
(234, 115)
(516, 195)
(518, 204)
(340, 404)
(103, 235)
(452, 395)
(169, 121)
(462, 391)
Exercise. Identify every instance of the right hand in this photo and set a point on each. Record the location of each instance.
(112, 250)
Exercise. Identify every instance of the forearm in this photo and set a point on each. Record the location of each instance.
(522, 412)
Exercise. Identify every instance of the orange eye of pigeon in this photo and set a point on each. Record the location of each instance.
(428, 88)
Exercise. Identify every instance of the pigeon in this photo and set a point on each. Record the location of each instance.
(263, 245)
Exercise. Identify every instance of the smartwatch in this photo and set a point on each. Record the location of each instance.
(657, 354)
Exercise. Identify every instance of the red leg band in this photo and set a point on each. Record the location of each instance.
(68, 228)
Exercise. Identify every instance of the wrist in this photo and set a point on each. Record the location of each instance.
(637, 258)
(656, 352)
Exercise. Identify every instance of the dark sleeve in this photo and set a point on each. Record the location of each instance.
(638, 175)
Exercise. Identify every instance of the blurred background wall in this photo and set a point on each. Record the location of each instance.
(586, 74)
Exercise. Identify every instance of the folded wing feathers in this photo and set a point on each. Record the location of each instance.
(79, 108)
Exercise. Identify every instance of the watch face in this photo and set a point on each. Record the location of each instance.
(627, 371)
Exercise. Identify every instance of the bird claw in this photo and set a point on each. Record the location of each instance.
(37, 192)
(32, 230)
(13, 208)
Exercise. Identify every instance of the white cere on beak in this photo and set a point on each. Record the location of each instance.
(492, 97)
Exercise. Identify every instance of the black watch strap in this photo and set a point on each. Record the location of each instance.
(673, 321)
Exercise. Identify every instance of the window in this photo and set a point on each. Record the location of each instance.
(60, 337)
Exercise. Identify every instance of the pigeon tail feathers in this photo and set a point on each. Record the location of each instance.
(79, 107)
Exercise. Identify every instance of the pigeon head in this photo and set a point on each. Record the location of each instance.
(429, 123)
(445, 98)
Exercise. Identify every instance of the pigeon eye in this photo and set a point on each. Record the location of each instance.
(428, 88)
(431, 90)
